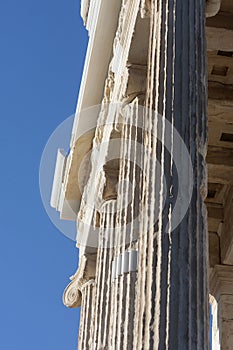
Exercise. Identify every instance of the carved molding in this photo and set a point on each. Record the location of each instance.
(72, 296)
(85, 4)
(145, 8)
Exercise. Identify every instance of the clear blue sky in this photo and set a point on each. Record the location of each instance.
(43, 46)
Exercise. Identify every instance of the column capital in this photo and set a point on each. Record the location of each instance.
(221, 280)
(221, 288)
(72, 296)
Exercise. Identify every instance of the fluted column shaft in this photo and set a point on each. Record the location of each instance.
(172, 292)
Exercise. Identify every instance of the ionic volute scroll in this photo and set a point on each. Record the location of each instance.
(72, 296)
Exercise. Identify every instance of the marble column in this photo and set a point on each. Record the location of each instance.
(221, 288)
(172, 287)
